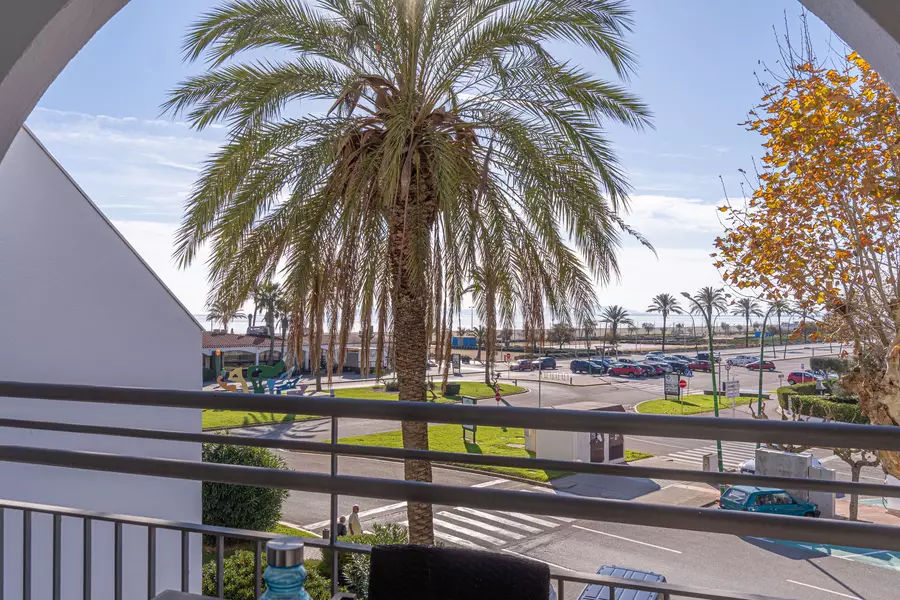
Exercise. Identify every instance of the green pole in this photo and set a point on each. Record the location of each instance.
(762, 350)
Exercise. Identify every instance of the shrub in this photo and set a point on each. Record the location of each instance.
(209, 375)
(452, 389)
(382, 534)
(833, 364)
(392, 386)
(843, 410)
(240, 573)
(242, 506)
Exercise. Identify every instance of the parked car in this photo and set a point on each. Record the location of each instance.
(652, 369)
(655, 353)
(700, 365)
(749, 466)
(705, 356)
(767, 365)
(600, 365)
(683, 357)
(628, 361)
(803, 377)
(585, 366)
(678, 366)
(625, 370)
(543, 363)
(596, 591)
(666, 367)
(742, 360)
(523, 364)
(773, 501)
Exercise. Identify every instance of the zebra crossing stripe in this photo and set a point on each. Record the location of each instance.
(485, 526)
(531, 519)
(563, 519)
(497, 519)
(466, 531)
(451, 538)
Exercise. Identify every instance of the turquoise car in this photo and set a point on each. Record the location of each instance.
(772, 501)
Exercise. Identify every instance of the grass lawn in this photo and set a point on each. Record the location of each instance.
(490, 440)
(632, 455)
(466, 388)
(689, 405)
(213, 419)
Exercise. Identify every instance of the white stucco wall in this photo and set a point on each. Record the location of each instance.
(79, 306)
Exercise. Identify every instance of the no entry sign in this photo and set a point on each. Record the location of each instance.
(682, 384)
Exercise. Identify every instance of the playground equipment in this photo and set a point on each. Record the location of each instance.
(283, 383)
(233, 375)
(267, 371)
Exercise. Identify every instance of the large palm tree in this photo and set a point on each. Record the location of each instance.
(747, 307)
(269, 296)
(615, 316)
(712, 301)
(664, 304)
(452, 125)
(589, 328)
(224, 312)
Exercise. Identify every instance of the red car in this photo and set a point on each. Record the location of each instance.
(624, 370)
(700, 365)
(801, 377)
(768, 365)
(522, 365)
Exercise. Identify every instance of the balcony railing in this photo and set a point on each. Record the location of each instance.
(736, 523)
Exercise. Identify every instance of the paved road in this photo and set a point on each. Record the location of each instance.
(790, 570)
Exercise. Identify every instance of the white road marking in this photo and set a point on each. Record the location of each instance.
(543, 522)
(490, 483)
(653, 441)
(451, 538)
(537, 559)
(619, 537)
(563, 519)
(496, 519)
(398, 505)
(815, 587)
(469, 532)
(363, 514)
(485, 526)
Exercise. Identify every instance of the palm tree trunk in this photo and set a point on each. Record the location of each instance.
(320, 325)
(270, 323)
(664, 333)
(448, 341)
(409, 227)
(382, 327)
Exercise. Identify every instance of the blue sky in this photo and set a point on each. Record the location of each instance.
(697, 60)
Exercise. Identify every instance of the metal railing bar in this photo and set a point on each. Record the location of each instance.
(242, 534)
(655, 586)
(837, 435)
(257, 565)
(26, 555)
(185, 561)
(333, 512)
(87, 554)
(863, 535)
(57, 556)
(2, 546)
(712, 478)
(220, 566)
(151, 562)
(117, 532)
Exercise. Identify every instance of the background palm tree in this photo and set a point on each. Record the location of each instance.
(589, 328)
(284, 321)
(713, 301)
(453, 128)
(269, 296)
(223, 312)
(781, 307)
(480, 334)
(506, 335)
(747, 307)
(615, 316)
(665, 304)
(648, 327)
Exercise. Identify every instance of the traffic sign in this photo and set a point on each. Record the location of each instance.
(670, 384)
(508, 356)
(682, 384)
(732, 389)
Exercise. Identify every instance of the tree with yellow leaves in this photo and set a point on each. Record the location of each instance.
(820, 226)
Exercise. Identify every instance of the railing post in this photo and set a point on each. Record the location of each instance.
(220, 566)
(86, 560)
(57, 556)
(2, 558)
(185, 561)
(335, 559)
(26, 555)
(151, 562)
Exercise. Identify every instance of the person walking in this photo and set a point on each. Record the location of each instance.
(342, 527)
(355, 525)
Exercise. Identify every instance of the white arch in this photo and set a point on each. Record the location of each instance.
(38, 39)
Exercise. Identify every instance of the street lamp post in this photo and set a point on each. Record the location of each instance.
(762, 350)
(694, 332)
(712, 370)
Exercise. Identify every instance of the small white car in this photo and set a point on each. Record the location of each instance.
(741, 360)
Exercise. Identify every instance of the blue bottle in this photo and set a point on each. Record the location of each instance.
(285, 574)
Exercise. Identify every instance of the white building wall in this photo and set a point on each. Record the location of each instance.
(66, 276)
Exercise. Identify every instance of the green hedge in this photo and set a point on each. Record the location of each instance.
(240, 573)
(801, 389)
(242, 506)
(817, 406)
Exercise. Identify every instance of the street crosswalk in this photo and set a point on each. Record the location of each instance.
(733, 454)
(484, 529)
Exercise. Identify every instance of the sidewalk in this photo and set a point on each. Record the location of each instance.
(867, 513)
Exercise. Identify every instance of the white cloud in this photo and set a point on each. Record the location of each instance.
(673, 222)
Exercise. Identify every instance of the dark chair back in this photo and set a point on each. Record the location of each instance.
(430, 573)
